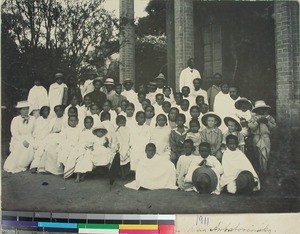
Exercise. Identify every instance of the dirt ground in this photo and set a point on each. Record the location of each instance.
(25, 192)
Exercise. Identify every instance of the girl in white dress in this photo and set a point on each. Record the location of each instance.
(22, 142)
(160, 136)
(40, 132)
(139, 138)
(86, 139)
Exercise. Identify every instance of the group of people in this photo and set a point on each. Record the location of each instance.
(194, 140)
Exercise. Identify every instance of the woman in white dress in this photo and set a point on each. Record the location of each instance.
(22, 142)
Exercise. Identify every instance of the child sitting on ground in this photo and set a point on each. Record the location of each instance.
(68, 144)
(205, 160)
(85, 143)
(212, 134)
(40, 132)
(48, 149)
(260, 125)
(194, 134)
(239, 175)
(183, 164)
(234, 128)
(177, 138)
(154, 172)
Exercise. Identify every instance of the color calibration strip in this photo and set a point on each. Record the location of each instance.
(88, 223)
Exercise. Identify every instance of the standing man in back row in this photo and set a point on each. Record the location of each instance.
(188, 74)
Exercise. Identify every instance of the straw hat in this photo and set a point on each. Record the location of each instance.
(160, 76)
(151, 84)
(260, 104)
(245, 182)
(22, 104)
(127, 81)
(109, 81)
(99, 126)
(204, 176)
(239, 102)
(211, 114)
(235, 120)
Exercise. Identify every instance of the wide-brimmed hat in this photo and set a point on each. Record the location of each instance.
(245, 182)
(239, 102)
(22, 104)
(98, 79)
(127, 81)
(109, 81)
(259, 105)
(58, 75)
(205, 175)
(99, 126)
(211, 114)
(235, 119)
(160, 76)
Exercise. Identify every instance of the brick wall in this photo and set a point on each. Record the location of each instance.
(127, 41)
(184, 35)
(287, 63)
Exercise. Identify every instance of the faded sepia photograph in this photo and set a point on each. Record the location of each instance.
(150, 106)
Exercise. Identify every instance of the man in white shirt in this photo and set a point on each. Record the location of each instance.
(37, 98)
(188, 74)
(234, 96)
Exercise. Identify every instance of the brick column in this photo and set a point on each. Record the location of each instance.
(287, 64)
(127, 41)
(184, 35)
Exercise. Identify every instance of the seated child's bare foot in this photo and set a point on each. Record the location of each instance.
(77, 180)
(33, 170)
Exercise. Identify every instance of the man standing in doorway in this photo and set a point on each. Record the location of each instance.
(188, 74)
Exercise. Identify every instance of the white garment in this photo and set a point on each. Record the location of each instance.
(37, 98)
(152, 97)
(200, 92)
(87, 87)
(20, 157)
(158, 109)
(231, 107)
(56, 94)
(131, 96)
(154, 173)
(139, 138)
(234, 162)
(160, 137)
(187, 76)
(123, 144)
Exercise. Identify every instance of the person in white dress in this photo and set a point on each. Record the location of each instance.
(22, 143)
(188, 74)
(48, 149)
(139, 138)
(37, 98)
(160, 136)
(58, 94)
(239, 175)
(40, 132)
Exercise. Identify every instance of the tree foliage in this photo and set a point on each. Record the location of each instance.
(51, 35)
